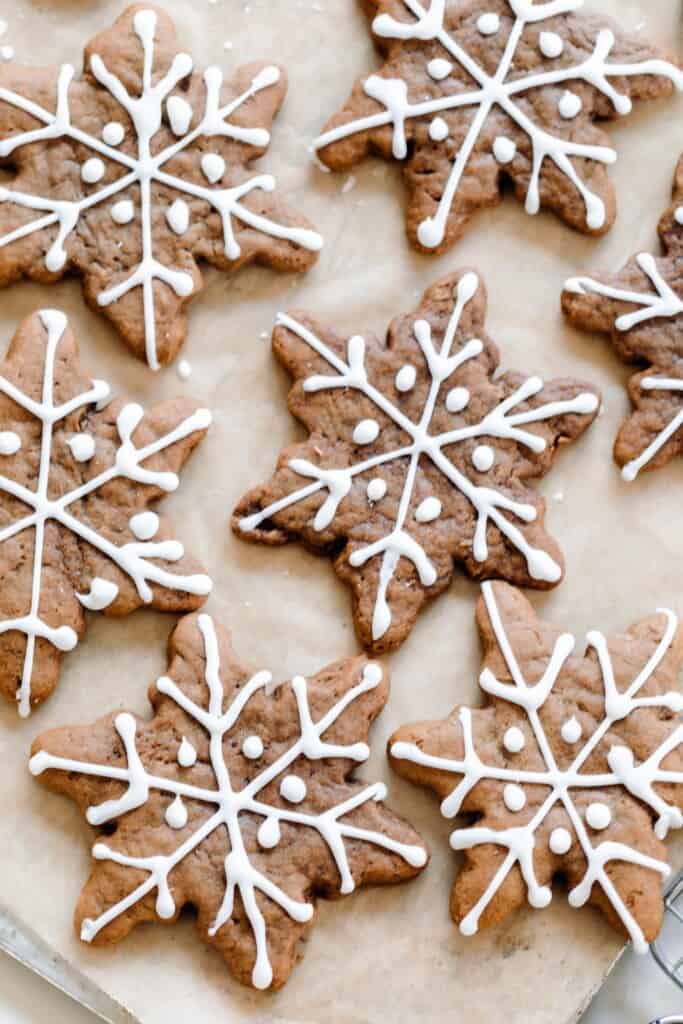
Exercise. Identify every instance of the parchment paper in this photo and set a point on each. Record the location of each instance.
(387, 954)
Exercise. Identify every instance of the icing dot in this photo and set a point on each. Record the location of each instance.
(376, 490)
(428, 510)
(176, 814)
(438, 69)
(560, 840)
(293, 788)
(184, 370)
(92, 170)
(113, 133)
(488, 24)
(678, 215)
(366, 432)
(514, 797)
(438, 130)
(457, 399)
(82, 447)
(144, 525)
(9, 442)
(252, 747)
(123, 212)
(513, 740)
(598, 816)
(405, 378)
(504, 149)
(571, 730)
(483, 458)
(179, 114)
(570, 105)
(178, 216)
(102, 593)
(268, 834)
(187, 755)
(550, 44)
(213, 167)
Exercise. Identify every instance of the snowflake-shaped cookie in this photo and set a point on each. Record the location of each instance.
(472, 94)
(76, 483)
(417, 458)
(237, 797)
(133, 173)
(641, 309)
(573, 768)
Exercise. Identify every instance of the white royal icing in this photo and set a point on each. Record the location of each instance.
(178, 216)
(252, 747)
(82, 447)
(366, 432)
(639, 779)
(142, 562)
(405, 378)
(514, 740)
(187, 755)
(113, 133)
(10, 442)
(144, 525)
(123, 212)
(228, 807)
(663, 303)
(483, 458)
(176, 814)
(438, 130)
(428, 510)
(147, 167)
(501, 422)
(571, 730)
(506, 89)
(570, 105)
(488, 24)
(377, 488)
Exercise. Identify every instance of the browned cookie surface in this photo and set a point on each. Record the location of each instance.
(420, 457)
(474, 94)
(573, 769)
(143, 174)
(641, 310)
(79, 475)
(237, 797)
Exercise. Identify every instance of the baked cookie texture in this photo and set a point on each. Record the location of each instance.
(572, 769)
(79, 476)
(236, 797)
(641, 311)
(419, 457)
(475, 94)
(136, 172)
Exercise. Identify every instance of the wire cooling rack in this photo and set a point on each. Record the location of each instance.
(668, 948)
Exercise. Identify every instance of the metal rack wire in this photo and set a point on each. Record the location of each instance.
(667, 948)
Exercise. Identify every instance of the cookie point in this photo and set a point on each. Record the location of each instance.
(269, 76)
(629, 472)
(39, 763)
(416, 856)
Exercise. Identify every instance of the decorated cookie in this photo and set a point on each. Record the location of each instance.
(573, 769)
(236, 797)
(641, 309)
(136, 171)
(477, 93)
(417, 458)
(78, 475)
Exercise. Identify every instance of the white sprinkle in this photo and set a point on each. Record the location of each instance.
(213, 167)
(571, 730)
(9, 442)
(82, 447)
(570, 105)
(179, 114)
(184, 370)
(144, 525)
(123, 212)
(178, 216)
(113, 133)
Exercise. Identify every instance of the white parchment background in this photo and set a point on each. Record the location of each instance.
(389, 954)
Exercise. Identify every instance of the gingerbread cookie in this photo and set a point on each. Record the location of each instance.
(76, 485)
(477, 93)
(417, 458)
(641, 309)
(236, 797)
(573, 769)
(133, 173)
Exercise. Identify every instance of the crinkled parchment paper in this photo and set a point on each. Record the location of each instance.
(385, 954)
